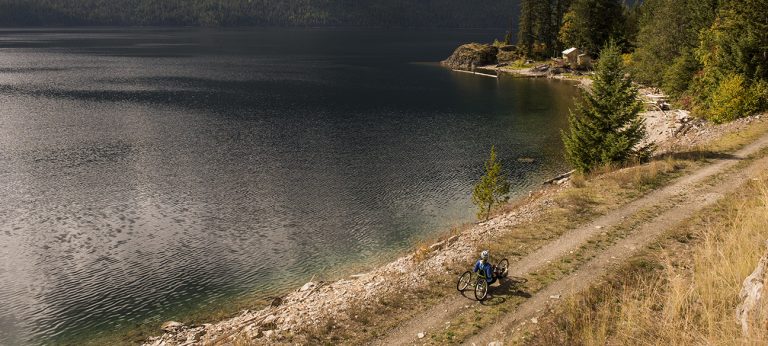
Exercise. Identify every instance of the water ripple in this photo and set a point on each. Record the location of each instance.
(135, 185)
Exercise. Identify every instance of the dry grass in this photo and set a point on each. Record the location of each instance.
(646, 176)
(578, 180)
(683, 294)
(736, 139)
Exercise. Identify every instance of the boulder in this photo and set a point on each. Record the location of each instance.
(171, 326)
(269, 319)
(747, 312)
(471, 55)
(307, 286)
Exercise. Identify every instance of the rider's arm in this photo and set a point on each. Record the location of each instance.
(477, 267)
(488, 271)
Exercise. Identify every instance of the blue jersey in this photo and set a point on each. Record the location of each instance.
(487, 268)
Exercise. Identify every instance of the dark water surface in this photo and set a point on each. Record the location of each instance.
(143, 172)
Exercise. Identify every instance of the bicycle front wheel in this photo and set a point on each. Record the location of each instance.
(481, 289)
(464, 281)
(503, 268)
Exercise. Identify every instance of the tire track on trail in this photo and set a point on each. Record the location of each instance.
(596, 268)
(687, 187)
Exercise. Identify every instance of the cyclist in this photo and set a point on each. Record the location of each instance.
(487, 268)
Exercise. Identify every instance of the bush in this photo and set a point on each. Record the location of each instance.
(729, 100)
(678, 76)
(733, 99)
(758, 100)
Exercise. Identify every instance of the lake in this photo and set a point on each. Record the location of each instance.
(148, 172)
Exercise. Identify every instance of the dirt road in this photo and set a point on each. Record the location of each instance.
(681, 199)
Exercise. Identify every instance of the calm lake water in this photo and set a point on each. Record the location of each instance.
(144, 172)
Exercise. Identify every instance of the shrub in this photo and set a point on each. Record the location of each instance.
(733, 99)
(678, 76)
(758, 100)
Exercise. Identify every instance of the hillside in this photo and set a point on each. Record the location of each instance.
(399, 13)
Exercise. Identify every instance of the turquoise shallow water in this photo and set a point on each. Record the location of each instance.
(148, 171)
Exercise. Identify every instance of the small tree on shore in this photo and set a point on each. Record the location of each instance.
(492, 189)
(606, 127)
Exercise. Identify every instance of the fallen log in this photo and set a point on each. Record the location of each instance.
(559, 177)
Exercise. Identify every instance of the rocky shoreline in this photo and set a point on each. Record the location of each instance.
(497, 60)
(316, 303)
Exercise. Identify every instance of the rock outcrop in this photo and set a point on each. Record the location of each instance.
(751, 293)
(471, 55)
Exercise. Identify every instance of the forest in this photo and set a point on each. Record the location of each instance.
(711, 56)
(388, 13)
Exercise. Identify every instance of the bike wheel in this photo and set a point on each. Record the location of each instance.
(503, 268)
(464, 281)
(481, 289)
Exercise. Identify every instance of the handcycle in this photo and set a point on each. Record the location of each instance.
(480, 279)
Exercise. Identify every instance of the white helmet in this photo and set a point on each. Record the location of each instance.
(484, 255)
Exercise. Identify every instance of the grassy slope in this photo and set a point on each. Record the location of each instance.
(681, 291)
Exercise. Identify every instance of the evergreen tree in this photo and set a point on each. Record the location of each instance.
(734, 55)
(538, 26)
(737, 41)
(589, 24)
(492, 189)
(525, 34)
(606, 127)
(669, 33)
(559, 7)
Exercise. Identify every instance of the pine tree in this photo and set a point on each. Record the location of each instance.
(525, 34)
(492, 189)
(589, 24)
(669, 32)
(606, 127)
(559, 7)
(538, 26)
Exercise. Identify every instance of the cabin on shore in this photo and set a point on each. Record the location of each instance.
(584, 61)
(571, 57)
(576, 59)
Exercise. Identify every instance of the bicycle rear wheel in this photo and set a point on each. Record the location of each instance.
(481, 289)
(503, 268)
(464, 281)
